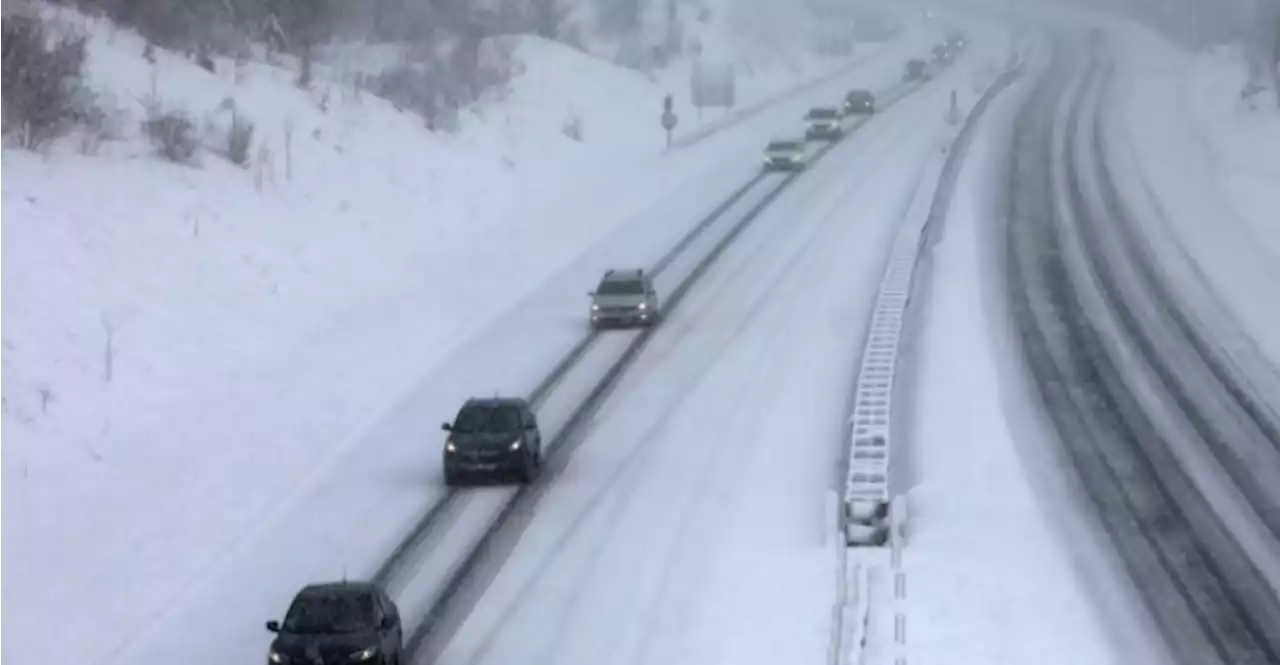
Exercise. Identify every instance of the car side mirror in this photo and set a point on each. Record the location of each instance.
(446, 427)
(591, 294)
(273, 626)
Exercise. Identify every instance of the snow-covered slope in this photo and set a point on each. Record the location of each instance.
(193, 353)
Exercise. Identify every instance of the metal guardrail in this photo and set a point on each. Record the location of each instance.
(867, 495)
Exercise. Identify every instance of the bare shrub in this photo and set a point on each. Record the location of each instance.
(572, 126)
(239, 139)
(172, 133)
(43, 91)
(416, 88)
(101, 123)
(439, 82)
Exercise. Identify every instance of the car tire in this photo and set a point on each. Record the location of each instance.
(530, 471)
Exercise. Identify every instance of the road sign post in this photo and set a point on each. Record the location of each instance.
(669, 118)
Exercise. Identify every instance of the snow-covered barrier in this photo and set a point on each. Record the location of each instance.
(872, 514)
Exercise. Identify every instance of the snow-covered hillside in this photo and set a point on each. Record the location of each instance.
(188, 350)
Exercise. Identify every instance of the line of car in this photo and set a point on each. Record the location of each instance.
(826, 123)
(497, 438)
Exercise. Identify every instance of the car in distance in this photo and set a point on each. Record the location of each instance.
(955, 40)
(785, 155)
(338, 622)
(624, 298)
(859, 102)
(494, 438)
(823, 123)
(942, 54)
(917, 70)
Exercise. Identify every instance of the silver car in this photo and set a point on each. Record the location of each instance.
(823, 123)
(785, 155)
(624, 298)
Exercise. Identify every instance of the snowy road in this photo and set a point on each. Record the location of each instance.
(695, 505)
(1203, 586)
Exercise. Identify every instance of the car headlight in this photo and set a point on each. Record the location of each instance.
(643, 306)
(515, 445)
(450, 447)
(364, 654)
(595, 308)
(276, 657)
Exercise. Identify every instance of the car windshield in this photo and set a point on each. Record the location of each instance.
(620, 287)
(488, 419)
(784, 146)
(821, 114)
(330, 612)
(859, 95)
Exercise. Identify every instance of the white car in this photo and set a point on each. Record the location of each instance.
(823, 123)
(786, 155)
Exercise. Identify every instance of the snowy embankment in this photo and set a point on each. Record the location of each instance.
(212, 374)
(1198, 164)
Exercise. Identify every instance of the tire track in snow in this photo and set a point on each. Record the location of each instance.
(778, 281)
(1170, 542)
(435, 518)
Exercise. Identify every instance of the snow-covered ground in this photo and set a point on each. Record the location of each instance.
(1001, 564)
(280, 353)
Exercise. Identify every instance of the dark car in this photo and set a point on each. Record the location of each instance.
(493, 438)
(917, 70)
(955, 40)
(338, 622)
(859, 101)
(943, 54)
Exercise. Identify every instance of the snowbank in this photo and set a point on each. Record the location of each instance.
(194, 355)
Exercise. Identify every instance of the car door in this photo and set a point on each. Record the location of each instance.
(532, 435)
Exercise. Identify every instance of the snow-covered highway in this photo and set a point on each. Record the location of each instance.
(1099, 368)
(696, 504)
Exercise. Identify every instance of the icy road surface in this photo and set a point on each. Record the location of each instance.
(690, 525)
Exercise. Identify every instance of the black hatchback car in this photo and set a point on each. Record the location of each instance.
(338, 622)
(917, 70)
(859, 101)
(494, 438)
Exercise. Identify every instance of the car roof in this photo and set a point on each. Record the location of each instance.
(623, 275)
(338, 588)
(496, 402)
